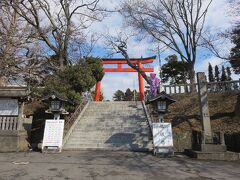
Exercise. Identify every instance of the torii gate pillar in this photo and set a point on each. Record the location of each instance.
(141, 84)
(98, 91)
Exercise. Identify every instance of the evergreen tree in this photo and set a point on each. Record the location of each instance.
(229, 78)
(174, 71)
(217, 74)
(118, 95)
(128, 95)
(224, 76)
(210, 73)
(235, 51)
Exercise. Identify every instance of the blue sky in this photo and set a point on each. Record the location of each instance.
(217, 19)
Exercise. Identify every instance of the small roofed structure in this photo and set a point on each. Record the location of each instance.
(14, 92)
(161, 102)
(15, 128)
(56, 105)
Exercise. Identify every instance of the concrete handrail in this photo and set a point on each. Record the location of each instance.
(147, 115)
(69, 132)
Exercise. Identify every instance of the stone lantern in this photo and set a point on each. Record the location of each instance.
(162, 132)
(161, 103)
(56, 105)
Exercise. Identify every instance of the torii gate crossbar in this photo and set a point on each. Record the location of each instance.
(120, 68)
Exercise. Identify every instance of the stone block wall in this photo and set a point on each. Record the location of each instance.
(13, 141)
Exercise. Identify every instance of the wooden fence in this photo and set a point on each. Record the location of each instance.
(212, 87)
(9, 123)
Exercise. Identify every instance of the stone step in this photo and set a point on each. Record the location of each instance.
(108, 141)
(221, 156)
(110, 145)
(109, 132)
(109, 138)
(96, 134)
(145, 149)
(111, 126)
(113, 114)
(108, 120)
(84, 126)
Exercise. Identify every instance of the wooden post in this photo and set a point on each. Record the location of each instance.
(204, 110)
(141, 83)
(98, 91)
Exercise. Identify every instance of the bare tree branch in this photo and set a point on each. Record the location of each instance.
(178, 24)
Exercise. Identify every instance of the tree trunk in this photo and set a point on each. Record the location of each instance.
(192, 78)
(61, 61)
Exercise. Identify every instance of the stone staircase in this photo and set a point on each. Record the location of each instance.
(111, 126)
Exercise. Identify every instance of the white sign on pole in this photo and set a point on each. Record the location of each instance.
(9, 107)
(53, 133)
(162, 135)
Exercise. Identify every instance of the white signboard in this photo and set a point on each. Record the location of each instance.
(53, 133)
(162, 135)
(8, 107)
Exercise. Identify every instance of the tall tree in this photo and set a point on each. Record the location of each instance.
(229, 73)
(128, 96)
(223, 76)
(235, 51)
(174, 71)
(73, 80)
(217, 74)
(118, 95)
(53, 24)
(19, 52)
(178, 24)
(210, 73)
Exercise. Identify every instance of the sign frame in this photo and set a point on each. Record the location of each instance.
(162, 135)
(53, 135)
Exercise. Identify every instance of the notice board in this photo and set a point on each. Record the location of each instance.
(53, 133)
(162, 135)
(9, 107)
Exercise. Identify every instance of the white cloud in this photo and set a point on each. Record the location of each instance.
(218, 15)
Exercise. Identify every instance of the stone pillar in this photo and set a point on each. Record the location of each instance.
(204, 109)
(20, 115)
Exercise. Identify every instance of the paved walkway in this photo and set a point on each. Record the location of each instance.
(111, 166)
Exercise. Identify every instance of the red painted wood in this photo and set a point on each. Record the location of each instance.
(125, 62)
(126, 70)
(119, 63)
(141, 84)
(98, 91)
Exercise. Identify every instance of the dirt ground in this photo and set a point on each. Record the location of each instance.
(104, 165)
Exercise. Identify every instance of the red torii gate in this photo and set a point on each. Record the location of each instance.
(119, 68)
